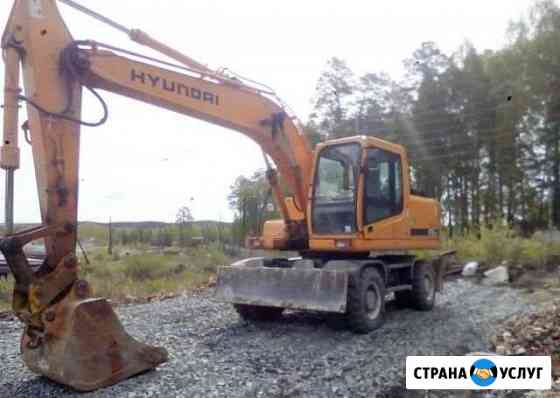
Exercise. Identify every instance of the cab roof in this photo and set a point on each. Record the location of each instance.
(366, 141)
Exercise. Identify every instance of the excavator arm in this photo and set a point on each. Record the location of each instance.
(70, 336)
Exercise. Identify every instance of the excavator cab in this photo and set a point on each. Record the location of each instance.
(337, 195)
(361, 201)
(336, 192)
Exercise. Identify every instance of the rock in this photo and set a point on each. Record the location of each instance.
(212, 281)
(531, 334)
(470, 268)
(7, 316)
(208, 344)
(481, 354)
(129, 299)
(556, 368)
(496, 276)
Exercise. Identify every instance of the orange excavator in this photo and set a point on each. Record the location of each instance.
(346, 205)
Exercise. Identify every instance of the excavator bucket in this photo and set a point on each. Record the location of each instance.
(86, 347)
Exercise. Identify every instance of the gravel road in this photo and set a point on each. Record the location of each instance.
(215, 354)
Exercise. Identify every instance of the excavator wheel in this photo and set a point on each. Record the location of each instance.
(422, 295)
(258, 313)
(402, 298)
(85, 346)
(366, 301)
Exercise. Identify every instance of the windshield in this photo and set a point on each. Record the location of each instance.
(336, 184)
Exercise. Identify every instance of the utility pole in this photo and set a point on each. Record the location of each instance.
(110, 247)
(219, 229)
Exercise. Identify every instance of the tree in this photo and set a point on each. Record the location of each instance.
(249, 198)
(333, 95)
(183, 220)
(428, 72)
(543, 60)
(373, 106)
(124, 237)
(482, 129)
(110, 243)
(164, 238)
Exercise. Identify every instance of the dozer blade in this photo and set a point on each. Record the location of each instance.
(86, 347)
(303, 289)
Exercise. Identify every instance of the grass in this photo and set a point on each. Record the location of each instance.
(122, 276)
(501, 243)
(143, 273)
(6, 288)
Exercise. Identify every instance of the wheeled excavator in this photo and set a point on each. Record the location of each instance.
(346, 205)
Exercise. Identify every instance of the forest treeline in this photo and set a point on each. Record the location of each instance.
(482, 127)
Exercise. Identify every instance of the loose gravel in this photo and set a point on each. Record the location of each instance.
(215, 354)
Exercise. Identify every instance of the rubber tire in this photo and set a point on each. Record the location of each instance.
(337, 321)
(402, 298)
(419, 298)
(258, 313)
(356, 310)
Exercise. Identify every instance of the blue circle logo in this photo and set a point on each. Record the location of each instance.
(484, 372)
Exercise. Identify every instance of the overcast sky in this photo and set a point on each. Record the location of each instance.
(147, 162)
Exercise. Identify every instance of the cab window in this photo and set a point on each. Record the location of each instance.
(383, 186)
(334, 197)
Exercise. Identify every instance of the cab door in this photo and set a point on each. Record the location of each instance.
(335, 191)
(383, 206)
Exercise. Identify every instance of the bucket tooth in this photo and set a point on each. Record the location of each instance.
(85, 347)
